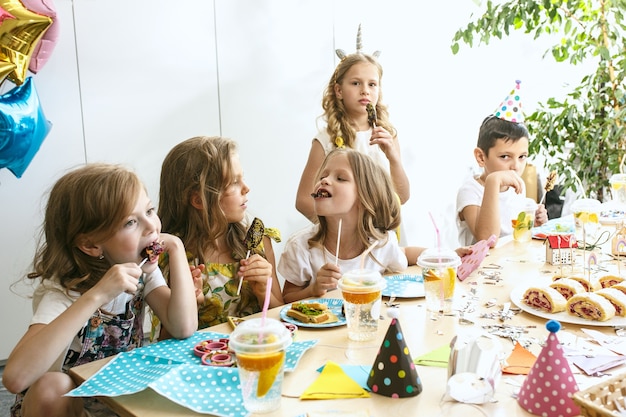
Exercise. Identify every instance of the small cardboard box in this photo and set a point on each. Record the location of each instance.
(560, 249)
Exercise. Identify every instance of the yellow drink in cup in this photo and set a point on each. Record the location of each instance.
(439, 271)
(260, 351)
(362, 294)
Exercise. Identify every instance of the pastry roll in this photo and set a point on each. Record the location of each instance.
(568, 287)
(544, 298)
(617, 298)
(590, 306)
(607, 281)
(591, 284)
(621, 287)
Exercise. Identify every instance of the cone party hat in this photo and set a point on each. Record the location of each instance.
(393, 373)
(548, 388)
(511, 107)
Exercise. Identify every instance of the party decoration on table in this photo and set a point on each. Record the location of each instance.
(172, 369)
(438, 357)
(520, 361)
(595, 365)
(613, 343)
(359, 373)
(359, 47)
(44, 48)
(403, 286)
(393, 373)
(19, 35)
(470, 262)
(474, 368)
(548, 388)
(550, 183)
(618, 247)
(333, 383)
(23, 127)
(555, 253)
(511, 107)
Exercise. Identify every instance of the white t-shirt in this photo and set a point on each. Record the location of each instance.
(471, 194)
(50, 299)
(300, 263)
(361, 144)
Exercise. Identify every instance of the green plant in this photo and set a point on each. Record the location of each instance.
(583, 136)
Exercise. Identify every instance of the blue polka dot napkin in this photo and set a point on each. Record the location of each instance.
(171, 369)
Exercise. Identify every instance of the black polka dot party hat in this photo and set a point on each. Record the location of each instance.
(550, 384)
(393, 373)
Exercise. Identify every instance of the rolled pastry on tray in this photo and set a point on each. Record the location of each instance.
(590, 306)
(607, 281)
(590, 284)
(568, 287)
(544, 298)
(617, 298)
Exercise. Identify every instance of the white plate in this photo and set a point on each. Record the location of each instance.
(404, 286)
(518, 293)
(334, 304)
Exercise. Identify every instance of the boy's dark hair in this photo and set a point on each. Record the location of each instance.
(494, 128)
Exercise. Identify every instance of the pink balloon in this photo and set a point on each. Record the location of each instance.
(46, 45)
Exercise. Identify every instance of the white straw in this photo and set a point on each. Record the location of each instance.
(338, 241)
(241, 279)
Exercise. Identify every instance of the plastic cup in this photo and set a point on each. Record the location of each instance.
(618, 188)
(260, 351)
(524, 220)
(362, 294)
(586, 216)
(439, 271)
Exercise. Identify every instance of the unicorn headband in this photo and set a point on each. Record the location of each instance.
(359, 47)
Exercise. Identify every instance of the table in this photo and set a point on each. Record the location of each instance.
(515, 262)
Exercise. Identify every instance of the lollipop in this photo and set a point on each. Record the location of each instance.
(152, 251)
(371, 114)
(252, 240)
(550, 183)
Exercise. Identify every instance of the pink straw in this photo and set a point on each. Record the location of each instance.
(266, 303)
(438, 234)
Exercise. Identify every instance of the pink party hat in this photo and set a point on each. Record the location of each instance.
(511, 107)
(393, 373)
(548, 388)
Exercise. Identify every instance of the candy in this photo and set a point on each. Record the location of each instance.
(255, 234)
(371, 114)
(153, 250)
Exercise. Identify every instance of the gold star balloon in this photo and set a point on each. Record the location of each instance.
(20, 31)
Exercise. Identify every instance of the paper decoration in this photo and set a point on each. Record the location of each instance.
(393, 373)
(470, 262)
(511, 107)
(520, 361)
(333, 383)
(548, 388)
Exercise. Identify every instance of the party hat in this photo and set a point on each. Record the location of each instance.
(511, 107)
(393, 373)
(548, 388)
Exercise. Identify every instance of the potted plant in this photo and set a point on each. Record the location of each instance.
(583, 136)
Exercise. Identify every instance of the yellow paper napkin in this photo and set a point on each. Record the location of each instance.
(520, 361)
(438, 357)
(333, 383)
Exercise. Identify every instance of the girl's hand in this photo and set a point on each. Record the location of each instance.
(257, 270)
(118, 279)
(198, 283)
(326, 279)
(388, 144)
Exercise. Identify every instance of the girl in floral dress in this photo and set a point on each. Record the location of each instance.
(203, 200)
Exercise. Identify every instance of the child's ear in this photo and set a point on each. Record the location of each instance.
(88, 247)
(338, 93)
(196, 201)
(480, 157)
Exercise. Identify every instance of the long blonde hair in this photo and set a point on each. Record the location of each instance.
(92, 202)
(199, 166)
(337, 121)
(378, 209)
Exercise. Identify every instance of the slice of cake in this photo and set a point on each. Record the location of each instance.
(590, 306)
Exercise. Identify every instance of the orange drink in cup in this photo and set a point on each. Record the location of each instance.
(362, 294)
(259, 346)
(439, 268)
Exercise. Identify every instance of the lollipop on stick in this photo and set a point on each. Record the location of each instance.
(371, 114)
(550, 183)
(151, 252)
(253, 239)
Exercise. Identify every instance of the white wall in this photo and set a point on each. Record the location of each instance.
(130, 78)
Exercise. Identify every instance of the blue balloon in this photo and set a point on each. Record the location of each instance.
(23, 127)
